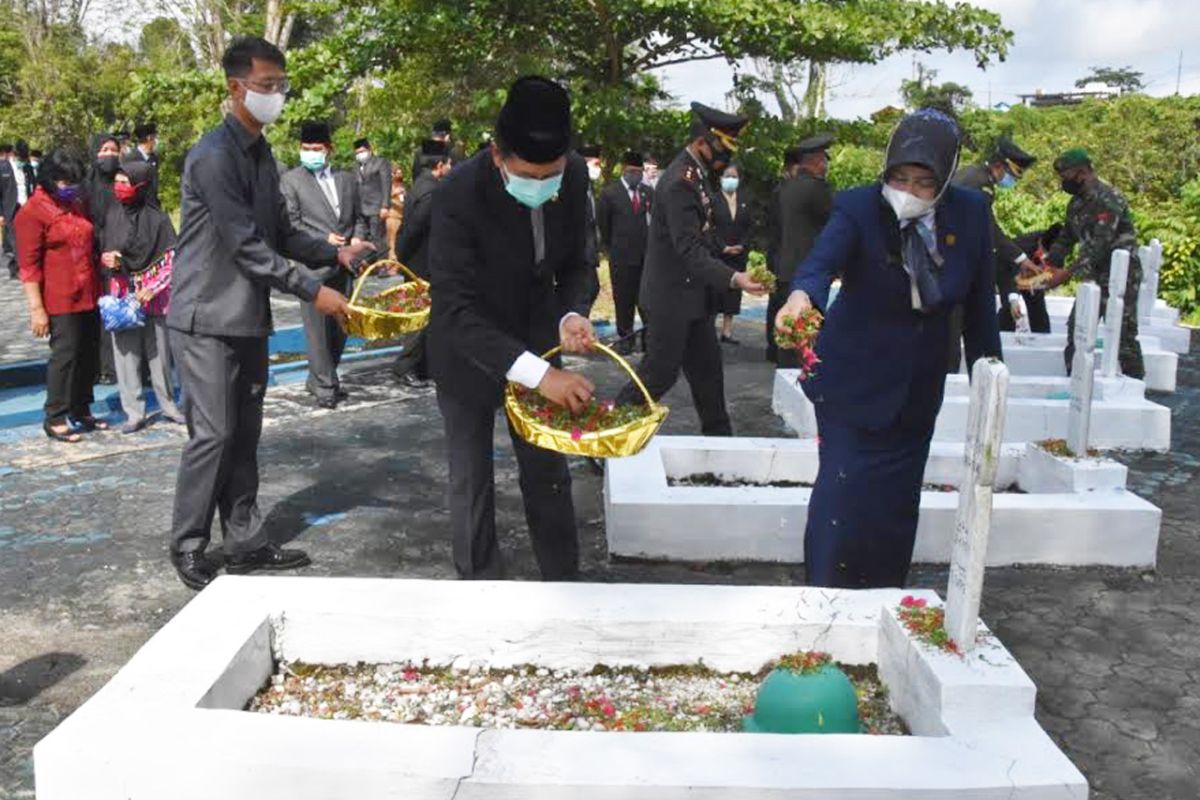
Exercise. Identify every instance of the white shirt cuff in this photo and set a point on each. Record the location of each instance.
(1013, 297)
(1020, 258)
(528, 370)
(566, 317)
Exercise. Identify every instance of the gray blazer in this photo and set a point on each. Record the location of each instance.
(375, 185)
(309, 210)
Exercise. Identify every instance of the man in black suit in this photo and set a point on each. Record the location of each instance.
(439, 132)
(146, 134)
(684, 272)
(506, 254)
(412, 249)
(623, 214)
(592, 155)
(323, 201)
(374, 191)
(805, 203)
(10, 183)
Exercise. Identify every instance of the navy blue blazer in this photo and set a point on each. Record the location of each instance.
(882, 363)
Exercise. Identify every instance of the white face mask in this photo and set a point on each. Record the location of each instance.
(265, 108)
(594, 172)
(362, 157)
(907, 206)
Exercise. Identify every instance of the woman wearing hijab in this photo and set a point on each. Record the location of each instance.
(908, 250)
(137, 242)
(98, 195)
(58, 272)
(731, 214)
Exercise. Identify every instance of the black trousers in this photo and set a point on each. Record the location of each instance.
(71, 371)
(377, 233)
(626, 283)
(783, 359)
(673, 345)
(1035, 305)
(8, 248)
(592, 290)
(413, 359)
(224, 380)
(545, 489)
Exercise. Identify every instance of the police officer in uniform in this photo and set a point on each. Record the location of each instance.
(684, 273)
(1002, 170)
(1099, 221)
(805, 202)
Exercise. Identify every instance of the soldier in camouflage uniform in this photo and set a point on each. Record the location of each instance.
(1099, 221)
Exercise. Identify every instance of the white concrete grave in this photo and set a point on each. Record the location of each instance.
(1114, 311)
(1123, 420)
(1083, 367)
(973, 519)
(972, 717)
(1041, 354)
(1073, 512)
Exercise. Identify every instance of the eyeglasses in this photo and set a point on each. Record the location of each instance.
(278, 85)
(916, 183)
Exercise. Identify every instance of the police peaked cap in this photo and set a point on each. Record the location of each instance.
(1008, 152)
(535, 122)
(315, 133)
(724, 125)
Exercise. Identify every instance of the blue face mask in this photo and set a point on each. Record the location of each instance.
(532, 192)
(313, 160)
(729, 185)
(1007, 182)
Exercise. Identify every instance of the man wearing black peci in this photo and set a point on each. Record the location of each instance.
(623, 214)
(234, 243)
(684, 272)
(506, 256)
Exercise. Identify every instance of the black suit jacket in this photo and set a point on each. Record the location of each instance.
(683, 261)
(977, 176)
(733, 230)
(152, 194)
(622, 232)
(8, 191)
(412, 244)
(805, 203)
(375, 186)
(491, 302)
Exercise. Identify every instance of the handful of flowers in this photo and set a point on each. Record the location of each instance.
(758, 272)
(799, 333)
(600, 415)
(408, 298)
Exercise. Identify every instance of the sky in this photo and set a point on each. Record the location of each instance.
(1055, 43)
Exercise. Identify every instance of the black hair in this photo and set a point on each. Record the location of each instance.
(238, 59)
(60, 165)
(22, 149)
(35, 153)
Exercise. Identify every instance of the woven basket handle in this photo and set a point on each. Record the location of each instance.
(608, 351)
(362, 279)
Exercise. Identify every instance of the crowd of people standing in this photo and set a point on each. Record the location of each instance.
(511, 239)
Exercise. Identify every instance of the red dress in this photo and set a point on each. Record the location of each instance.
(55, 251)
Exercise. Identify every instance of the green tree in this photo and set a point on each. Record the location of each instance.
(922, 92)
(164, 45)
(1126, 79)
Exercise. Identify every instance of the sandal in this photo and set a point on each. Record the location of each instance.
(90, 424)
(64, 434)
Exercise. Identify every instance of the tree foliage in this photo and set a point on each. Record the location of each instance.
(1127, 79)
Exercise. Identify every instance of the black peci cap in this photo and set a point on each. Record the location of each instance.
(535, 122)
(359, 143)
(145, 130)
(315, 133)
(591, 151)
(814, 144)
(434, 148)
(633, 159)
(442, 127)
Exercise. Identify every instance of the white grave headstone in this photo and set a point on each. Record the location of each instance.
(1114, 312)
(1156, 260)
(1083, 367)
(973, 522)
(1145, 301)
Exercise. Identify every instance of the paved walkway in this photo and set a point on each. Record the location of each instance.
(84, 579)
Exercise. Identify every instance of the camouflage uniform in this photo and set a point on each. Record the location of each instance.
(1099, 221)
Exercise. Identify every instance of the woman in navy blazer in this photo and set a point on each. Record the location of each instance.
(907, 249)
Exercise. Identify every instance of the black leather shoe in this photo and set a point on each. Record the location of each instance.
(327, 402)
(269, 557)
(194, 569)
(340, 394)
(412, 381)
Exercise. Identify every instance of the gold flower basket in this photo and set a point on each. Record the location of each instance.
(372, 323)
(1034, 282)
(627, 440)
